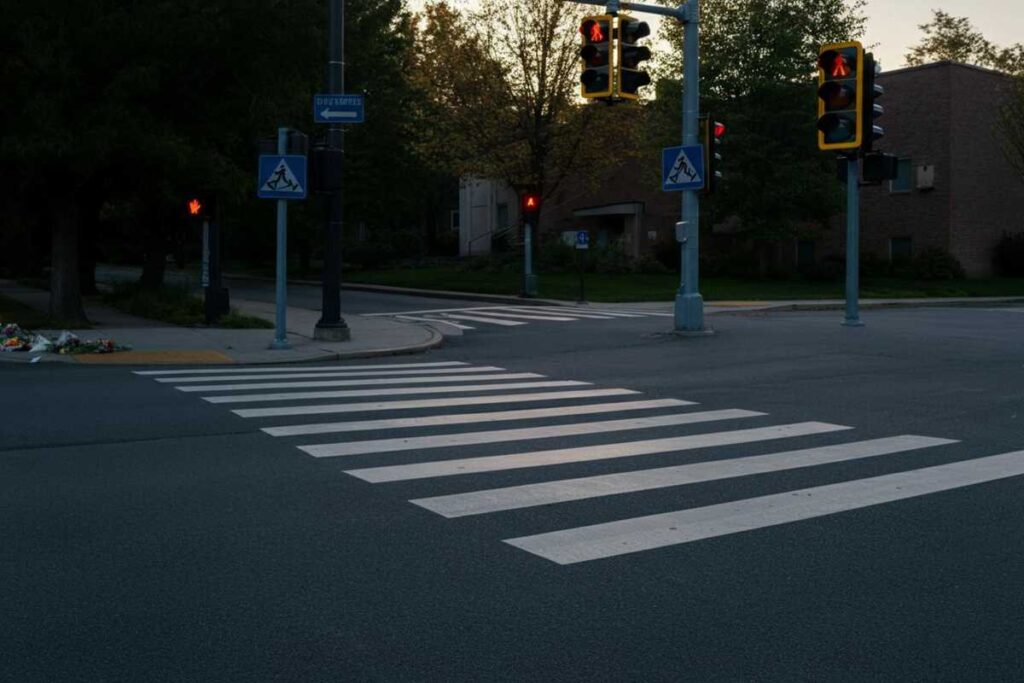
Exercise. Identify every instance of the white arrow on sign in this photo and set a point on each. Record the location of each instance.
(328, 114)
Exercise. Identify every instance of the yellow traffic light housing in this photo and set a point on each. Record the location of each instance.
(840, 96)
(596, 53)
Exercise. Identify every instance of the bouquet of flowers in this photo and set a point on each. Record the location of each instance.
(14, 338)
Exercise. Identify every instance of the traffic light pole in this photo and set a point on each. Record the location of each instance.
(281, 295)
(689, 305)
(852, 243)
(331, 326)
(689, 308)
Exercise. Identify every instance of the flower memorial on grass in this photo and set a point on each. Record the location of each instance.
(15, 338)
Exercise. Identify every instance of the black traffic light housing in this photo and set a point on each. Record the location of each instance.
(869, 109)
(711, 134)
(530, 206)
(201, 206)
(629, 77)
(596, 53)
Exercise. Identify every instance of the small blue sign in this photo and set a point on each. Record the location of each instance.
(281, 176)
(682, 168)
(582, 239)
(338, 108)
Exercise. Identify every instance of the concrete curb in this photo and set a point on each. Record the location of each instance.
(436, 340)
(767, 307)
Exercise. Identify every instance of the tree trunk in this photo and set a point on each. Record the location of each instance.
(65, 291)
(155, 260)
(89, 232)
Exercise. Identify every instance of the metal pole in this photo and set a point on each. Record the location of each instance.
(331, 326)
(689, 306)
(281, 316)
(852, 244)
(529, 279)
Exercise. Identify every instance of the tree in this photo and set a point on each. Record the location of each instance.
(955, 39)
(758, 58)
(498, 88)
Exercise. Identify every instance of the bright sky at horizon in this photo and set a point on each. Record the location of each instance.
(893, 24)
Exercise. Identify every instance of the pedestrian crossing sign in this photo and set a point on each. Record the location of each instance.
(281, 176)
(682, 168)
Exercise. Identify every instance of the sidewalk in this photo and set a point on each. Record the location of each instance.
(158, 343)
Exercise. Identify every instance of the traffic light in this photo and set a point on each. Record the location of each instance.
(531, 206)
(711, 134)
(629, 77)
(870, 110)
(596, 53)
(200, 207)
(840, 96)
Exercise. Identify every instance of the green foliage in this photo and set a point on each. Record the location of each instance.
(955, 39)
(1009, 255)
(935, 263)
(174, 305)
(758, 59)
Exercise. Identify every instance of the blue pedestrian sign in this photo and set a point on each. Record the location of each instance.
(281, 176)
(338, 108)
(582, 239)
(682, 168)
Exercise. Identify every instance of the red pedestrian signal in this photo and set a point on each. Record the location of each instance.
(840, 96)
(531, 202)
(596, 53)
(194, 207)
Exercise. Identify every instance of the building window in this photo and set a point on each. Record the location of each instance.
(453, 220)
(904, 181)
(900, 249)
(501, 217)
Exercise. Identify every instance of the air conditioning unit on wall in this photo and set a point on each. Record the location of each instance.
(926, 177)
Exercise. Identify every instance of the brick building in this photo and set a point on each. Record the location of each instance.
(955, 189)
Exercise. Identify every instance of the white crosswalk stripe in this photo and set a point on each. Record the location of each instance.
(313, 375)
(468, 418)
(441, 396)
(582, 488)
(434, 403)
(329, 450)
(657, 531)
(562, 456)
(398, 391)
(514, 316)
(362, 382)
(301, 368)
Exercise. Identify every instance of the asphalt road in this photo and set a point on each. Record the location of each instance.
(151, 533)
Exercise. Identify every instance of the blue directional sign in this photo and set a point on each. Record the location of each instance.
(582, 239)
(281, 176)
(338, 108)
(682, 168)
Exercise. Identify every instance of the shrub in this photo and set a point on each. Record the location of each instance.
(1008, 255)
(936, 263)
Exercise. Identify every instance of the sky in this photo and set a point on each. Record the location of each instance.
(893, 24)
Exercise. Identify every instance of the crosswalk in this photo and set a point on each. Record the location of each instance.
(457, 320)
(485, 421)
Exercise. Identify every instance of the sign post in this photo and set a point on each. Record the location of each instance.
(282, 177)
(852, 244)
(582, 246)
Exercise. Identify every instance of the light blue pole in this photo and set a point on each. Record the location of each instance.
(852, 244)
(281, 318)
(689, 308)
(529, 279)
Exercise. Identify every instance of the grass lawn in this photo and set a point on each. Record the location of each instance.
(28, 318)
(662, 287)
(174, 305)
